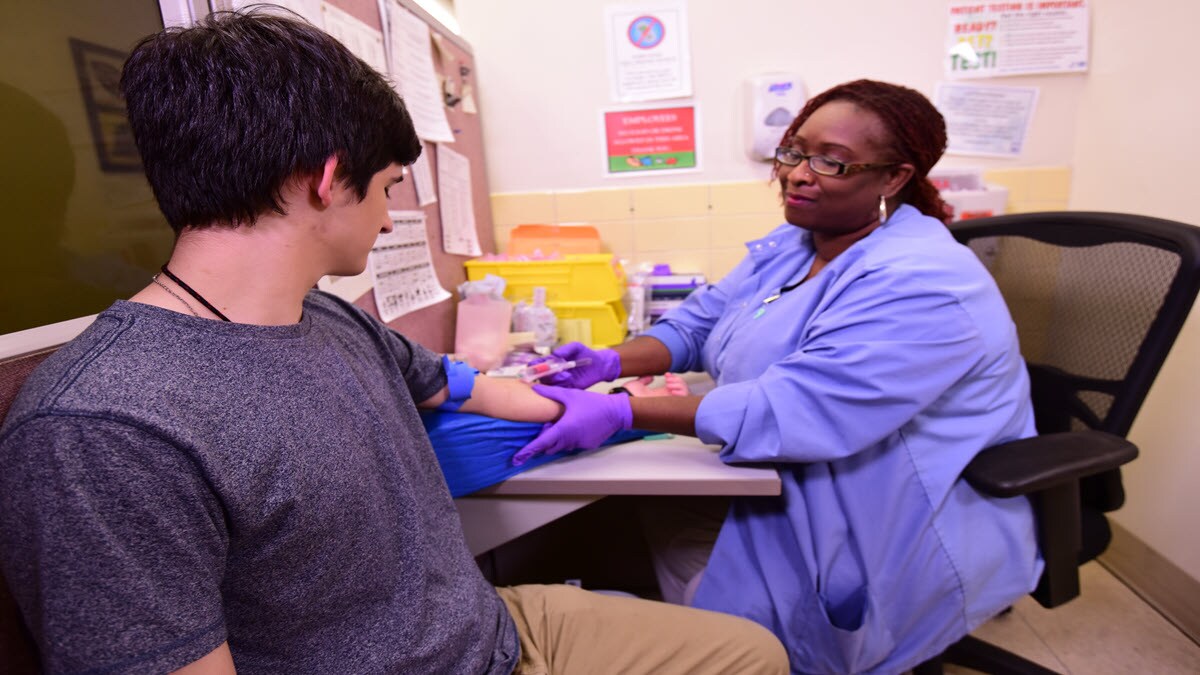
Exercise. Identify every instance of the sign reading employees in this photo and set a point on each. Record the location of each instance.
(990, 39)
(650, 140)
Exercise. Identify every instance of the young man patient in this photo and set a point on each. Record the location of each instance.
(228, 470)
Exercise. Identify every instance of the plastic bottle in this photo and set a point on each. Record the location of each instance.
(543, 322)
(484, 318)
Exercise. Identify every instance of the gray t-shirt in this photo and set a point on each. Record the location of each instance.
(170, 482)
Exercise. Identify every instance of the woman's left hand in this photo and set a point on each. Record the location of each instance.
(588, 420)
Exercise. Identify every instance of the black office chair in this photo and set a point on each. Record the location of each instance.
(1098, 299)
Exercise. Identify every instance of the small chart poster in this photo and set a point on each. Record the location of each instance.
(401, 268)
(991, 39)
(650, 140)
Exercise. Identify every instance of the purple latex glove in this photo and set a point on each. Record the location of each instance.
(589, 419)
(605, 366)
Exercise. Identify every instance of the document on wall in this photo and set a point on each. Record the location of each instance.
(414, 75)
(349, 289)
(362, 40)
(648, 51)
(422, 177)
(309, 9)
(986, 120)
(1016, 38)
(401, 268)
(457, 203)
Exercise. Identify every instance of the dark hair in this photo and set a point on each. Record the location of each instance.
(225, 112)
(917, 133)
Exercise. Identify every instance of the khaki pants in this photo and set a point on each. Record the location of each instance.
(569, 631)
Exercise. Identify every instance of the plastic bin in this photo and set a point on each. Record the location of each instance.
(548, 239)
(608, 319)
(990, 201)
(581, 277)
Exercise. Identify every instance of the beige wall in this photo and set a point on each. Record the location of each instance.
(1120, 138)
(541, 106)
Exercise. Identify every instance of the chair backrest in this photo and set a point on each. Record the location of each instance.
(18, 655)
(1098, 299)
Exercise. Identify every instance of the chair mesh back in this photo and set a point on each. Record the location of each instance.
(1081, 313)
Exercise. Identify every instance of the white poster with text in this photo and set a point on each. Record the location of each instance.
(649, 55)
(983, 120)
(990, 39)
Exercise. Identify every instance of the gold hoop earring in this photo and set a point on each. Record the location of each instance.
(883, 214)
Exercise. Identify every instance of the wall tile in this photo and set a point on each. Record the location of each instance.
(681, 260)
(503, 234)
(589, 206)
(1016, 180)
(723, 261)
(733, 231)
(1050, 184)
(616, 235)
(670, 233)
(744, 197)
(670, 202)
(516, 208)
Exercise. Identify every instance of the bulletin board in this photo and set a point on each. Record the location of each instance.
(433, 326)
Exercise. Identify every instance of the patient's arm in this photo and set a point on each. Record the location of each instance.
(217, 662)
(505, 398)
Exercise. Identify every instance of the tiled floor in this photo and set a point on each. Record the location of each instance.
(1106, 630)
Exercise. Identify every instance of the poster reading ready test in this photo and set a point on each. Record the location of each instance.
(654, 139)
(988, 39)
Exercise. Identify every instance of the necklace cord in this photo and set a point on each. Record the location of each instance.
(783, 289)
(175, 295)
(194, 294)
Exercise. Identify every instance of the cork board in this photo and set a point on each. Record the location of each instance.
(433, 326)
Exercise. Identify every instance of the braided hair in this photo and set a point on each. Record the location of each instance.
(917, 133)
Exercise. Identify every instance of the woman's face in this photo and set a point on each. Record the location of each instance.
(838, 205)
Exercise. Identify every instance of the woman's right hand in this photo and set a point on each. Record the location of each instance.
(675, 386)
(603, 365)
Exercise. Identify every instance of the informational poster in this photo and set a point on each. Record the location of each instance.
(986, 120)
(989, 39)
(401, 268)
(414, 76)
(362, 40)
(422, 177)
(457, 203)
(310, 10)
(650, 139)
(649, 56)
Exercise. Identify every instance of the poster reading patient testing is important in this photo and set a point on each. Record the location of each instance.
(990, 39)
(650, 140)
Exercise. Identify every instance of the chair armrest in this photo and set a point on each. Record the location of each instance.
(1034, 464)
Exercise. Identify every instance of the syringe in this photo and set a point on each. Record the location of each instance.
(537, 371)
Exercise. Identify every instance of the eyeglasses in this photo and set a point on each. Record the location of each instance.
(822, 165)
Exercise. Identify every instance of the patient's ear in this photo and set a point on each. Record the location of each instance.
(326, 180)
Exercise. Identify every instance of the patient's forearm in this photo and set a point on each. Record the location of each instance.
(511, 400)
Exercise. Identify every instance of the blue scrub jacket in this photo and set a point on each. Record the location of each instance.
(870, 387)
